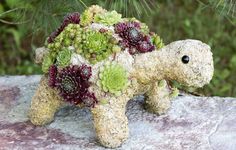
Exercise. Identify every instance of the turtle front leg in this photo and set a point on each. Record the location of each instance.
(111, 123)
(158, 98)
(44, 104)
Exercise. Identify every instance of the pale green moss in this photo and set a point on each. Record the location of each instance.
(108, 18)
(113, 78)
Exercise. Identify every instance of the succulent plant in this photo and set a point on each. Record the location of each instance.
(95, 9)
(89, 99)
(48, 60)
(73, 18)
(133, 37)
(72, 86)
(52, 76)
(108, 18)
(63, 58)
(145, 46)
(157, 41)
(85, 71)
(86, 18)
(113, 78)
(96, 46)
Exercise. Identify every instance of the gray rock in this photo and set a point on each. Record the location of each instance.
(193, 123)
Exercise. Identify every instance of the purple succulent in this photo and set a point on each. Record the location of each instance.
(89, 99)
(133, 38)
(145, 46)
(85, 72)
(72, 83)
(52, 76)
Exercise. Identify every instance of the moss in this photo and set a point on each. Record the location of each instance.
(108, 18)
(63, 58)
(113, 78)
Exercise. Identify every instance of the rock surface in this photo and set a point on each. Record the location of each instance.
(193, 123)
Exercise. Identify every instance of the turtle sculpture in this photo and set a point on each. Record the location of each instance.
(100, 60)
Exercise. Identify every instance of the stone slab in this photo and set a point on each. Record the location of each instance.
(192, 123)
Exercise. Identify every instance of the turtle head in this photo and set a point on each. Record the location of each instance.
(190, 62)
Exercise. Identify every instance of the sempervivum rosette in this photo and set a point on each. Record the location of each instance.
(133, 38)
(72, 83)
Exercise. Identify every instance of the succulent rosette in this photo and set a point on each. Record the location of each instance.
(72, 83)
(96, 45)
(108, 18)
(113, 78)
(133, 38)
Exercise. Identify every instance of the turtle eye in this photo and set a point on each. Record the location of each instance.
(185, 59)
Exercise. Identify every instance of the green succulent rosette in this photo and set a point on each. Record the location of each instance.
(64, 57)
(108, 18)
(113, 78)
(97, 46)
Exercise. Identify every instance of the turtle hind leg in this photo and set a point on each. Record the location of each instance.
(111, 123)
(44, 104)
(158, 98)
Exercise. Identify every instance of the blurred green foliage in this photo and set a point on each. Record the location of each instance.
(211, 21)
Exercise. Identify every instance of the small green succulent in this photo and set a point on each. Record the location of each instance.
(113, 78)
(157, 41)
(70, 36)
(86, 18)
(48, 60)
(175, 93)
(108, 18)
(63, 57)
(97, 46)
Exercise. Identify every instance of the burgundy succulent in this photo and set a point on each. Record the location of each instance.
(89, 99)
(52, 76)
(145, 46)
(85, 71)
(72, 83)
(133, 38)
(72, 18)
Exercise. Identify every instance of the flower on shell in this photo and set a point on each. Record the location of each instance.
(108, 18)
(64, 57)
(73, 87)
(113, 78)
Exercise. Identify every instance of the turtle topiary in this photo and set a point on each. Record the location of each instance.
(101, 60)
